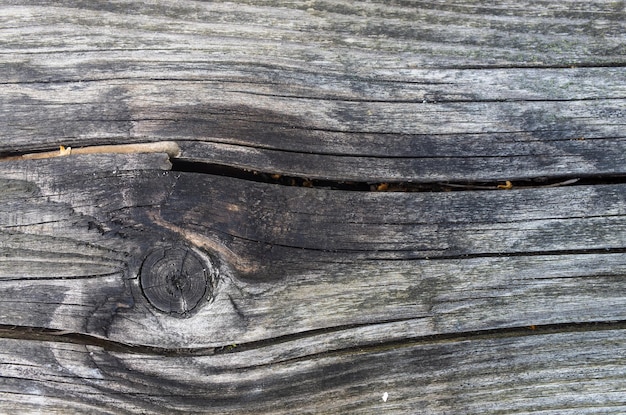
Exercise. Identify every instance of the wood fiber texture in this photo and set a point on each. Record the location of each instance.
(378, 207)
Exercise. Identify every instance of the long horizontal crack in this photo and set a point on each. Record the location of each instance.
(182, 165)
(541, 253)
(60, 336)
(530, 65)
(425, 100)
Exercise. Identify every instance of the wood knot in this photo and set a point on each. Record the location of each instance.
(176, 280)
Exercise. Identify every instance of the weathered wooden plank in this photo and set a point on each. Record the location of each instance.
(351, 36)
(315, 300)
(512, 135)
(426, 96)
(433, 263)
(576, 372)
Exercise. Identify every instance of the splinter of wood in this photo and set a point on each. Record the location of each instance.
(169, 147)
(176, 280)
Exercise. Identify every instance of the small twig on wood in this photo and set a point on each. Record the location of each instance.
(169, 147)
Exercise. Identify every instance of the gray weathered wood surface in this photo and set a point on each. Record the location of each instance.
(324, 292)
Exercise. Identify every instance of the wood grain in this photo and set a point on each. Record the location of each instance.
(562, 373)
(317, 300)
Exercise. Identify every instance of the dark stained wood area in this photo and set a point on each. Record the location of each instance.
(316, 207)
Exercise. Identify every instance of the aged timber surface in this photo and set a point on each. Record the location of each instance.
(381, 207)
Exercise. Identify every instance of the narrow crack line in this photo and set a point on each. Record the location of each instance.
(432, 253)
(217, 141)
(373, 346)
(68, 336)
(332, 220)
(515, 66)
(355, 155)
(424, 100)
(308, 248)
(350, 128)
(217, 79)
(264, 343)
(446, 338)
(542, 253)
(26, 225)
(67, 277)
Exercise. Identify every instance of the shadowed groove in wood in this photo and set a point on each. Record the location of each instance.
(183, 165)
(613, 64)
(61, 336)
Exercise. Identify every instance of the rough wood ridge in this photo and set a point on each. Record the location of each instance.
(312, 207)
